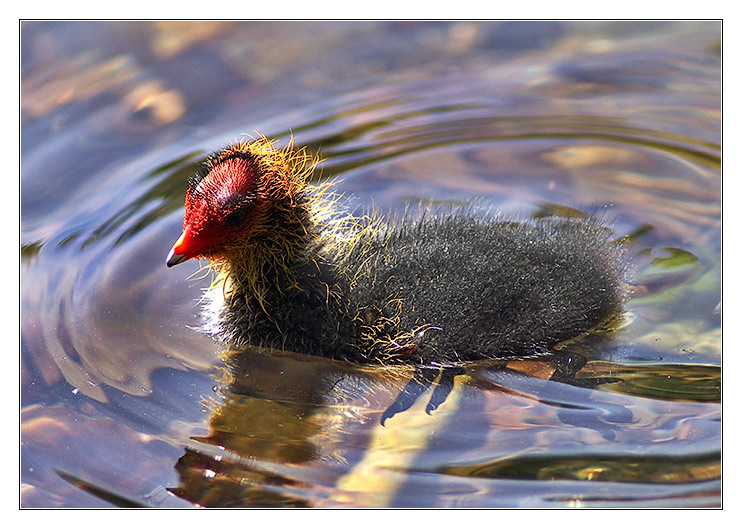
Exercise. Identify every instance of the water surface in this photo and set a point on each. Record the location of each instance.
(125, 403)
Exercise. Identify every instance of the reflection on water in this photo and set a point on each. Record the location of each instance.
(288, 430)
(126, 404)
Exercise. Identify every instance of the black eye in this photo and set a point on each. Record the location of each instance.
(236, 218)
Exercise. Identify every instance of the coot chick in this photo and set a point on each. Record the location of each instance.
(294, 272)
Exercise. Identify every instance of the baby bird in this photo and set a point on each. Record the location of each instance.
(295, 272)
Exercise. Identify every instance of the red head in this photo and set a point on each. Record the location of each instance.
(227, 204)
(217, 207)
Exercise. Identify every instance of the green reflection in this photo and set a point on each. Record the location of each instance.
(698, 383)
(357, 131)
(166, 195)
(633, 469)
(107, 495)
(677, 274)
(677, 258)
(30, 250)
(548, 209)
(407, 140)
(634, 236)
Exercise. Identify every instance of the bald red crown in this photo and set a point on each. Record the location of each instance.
(218, 202)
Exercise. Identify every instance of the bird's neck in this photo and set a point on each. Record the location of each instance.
(276, 260)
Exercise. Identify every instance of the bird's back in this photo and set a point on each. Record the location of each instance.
(462, 288)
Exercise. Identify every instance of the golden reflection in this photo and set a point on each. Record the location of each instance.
(171, 37)
(80, 78)
(166, 106)
(282, 413)
(375, 479)
(581, 156)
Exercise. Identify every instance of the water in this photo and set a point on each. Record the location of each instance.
(124, 403)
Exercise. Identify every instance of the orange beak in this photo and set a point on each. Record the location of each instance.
(187, 247)
(178, 251)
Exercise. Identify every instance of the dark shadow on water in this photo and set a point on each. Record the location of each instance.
(102, 493)
(419, 384)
